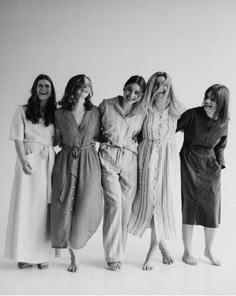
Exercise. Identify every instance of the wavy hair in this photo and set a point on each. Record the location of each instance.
(32, 111)
(176, 108)
(69, 100)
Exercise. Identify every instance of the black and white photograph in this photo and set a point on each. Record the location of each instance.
(118, 158)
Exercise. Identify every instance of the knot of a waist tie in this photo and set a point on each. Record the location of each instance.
(44, 151)
(75, 152)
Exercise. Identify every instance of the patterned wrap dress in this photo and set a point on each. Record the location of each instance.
(158, 197)
(77, 202)
(118, 156)
(202, 158)
(28, 236)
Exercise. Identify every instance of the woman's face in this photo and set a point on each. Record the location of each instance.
(43, 89)
(209, 104)
(132, 93)
(162, 87)
(83, 89)
(158, 82)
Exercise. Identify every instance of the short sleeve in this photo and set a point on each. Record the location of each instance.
(17, 129)
(184, 120)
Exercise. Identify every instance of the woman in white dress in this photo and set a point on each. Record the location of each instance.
(28, 239)
(157, 203)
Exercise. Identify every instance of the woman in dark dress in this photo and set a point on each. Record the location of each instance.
(76, 192)
(202, 158)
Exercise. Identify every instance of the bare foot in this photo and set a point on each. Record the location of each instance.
(148, 264)
(189, 259)
(213, 260)
(73, 266)
(114, 265)
(166, 258)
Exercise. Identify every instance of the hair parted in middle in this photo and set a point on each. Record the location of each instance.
(68, 100)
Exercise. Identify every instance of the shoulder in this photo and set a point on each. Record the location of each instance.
(95, 110)
(20, 111)
(110, 101)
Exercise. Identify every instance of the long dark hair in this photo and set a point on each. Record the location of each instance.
(32, 111)
(68, 100)
(221, 95)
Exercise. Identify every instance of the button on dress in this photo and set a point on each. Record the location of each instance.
(202, 157)
(77, 202)
(158, 197)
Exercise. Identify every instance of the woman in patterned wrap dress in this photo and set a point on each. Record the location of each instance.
(157, 201)
(28, 238)
(205, 134)
(77, 192)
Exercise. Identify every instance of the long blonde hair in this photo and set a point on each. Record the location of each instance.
(176, 108)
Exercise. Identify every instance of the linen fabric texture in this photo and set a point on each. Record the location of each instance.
(77, 200)
(158, 197)
(202, 158)
(28, 236)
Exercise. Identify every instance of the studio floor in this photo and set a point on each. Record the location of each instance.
(93, 277)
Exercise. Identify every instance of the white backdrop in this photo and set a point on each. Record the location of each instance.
(109, 40)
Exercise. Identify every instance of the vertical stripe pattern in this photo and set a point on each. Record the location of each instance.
(158, 192)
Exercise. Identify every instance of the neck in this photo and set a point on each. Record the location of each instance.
(43, 106)
(79, 106)
(125, 106)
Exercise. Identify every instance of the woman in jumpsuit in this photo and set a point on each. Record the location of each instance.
(28, 239)
(202, 158)
(121, 122)
(77, 192)
(157, 203)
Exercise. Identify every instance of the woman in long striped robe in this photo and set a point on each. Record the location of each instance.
(157, 203)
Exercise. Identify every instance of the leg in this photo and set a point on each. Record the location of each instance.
(166, 258)
(112, 229)
(148, 264)
(209, 239)
(74, 265)
(187, 232)
(128, 182)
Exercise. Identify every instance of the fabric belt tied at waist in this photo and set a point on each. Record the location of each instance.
(75, 150)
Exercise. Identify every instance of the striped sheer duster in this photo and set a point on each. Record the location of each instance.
(158, 196)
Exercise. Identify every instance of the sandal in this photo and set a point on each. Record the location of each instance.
(42, 265)
(24, 265)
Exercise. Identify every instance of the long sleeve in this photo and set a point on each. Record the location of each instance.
(219, 149)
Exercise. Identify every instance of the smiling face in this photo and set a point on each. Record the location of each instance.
(83, 89)
(43, 89)
(209, 104)
(132, 93)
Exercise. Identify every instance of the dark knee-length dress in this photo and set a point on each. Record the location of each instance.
(202, 159)
(77, 203)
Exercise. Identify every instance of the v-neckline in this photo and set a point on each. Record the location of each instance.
(82, 121)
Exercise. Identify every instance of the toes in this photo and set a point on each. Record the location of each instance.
(72, 268)
(168, 260)
(189, 260)
(114, 265)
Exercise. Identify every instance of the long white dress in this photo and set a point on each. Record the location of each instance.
(28, 232)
